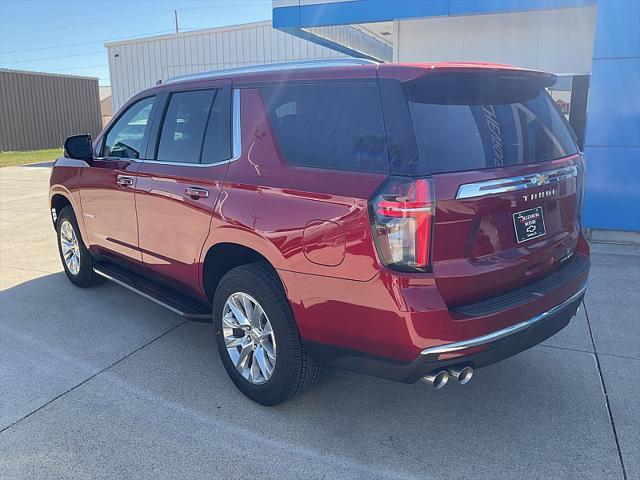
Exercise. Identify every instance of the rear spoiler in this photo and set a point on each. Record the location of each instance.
(411, 71)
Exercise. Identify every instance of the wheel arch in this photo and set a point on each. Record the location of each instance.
(60, 197)
(224, 256)
(58, 202)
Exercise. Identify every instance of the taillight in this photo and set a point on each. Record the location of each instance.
(402, 212)
(580, 187)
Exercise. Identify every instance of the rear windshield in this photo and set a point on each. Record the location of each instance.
(469, 121)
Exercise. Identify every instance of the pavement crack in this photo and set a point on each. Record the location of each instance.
(569, 349)
(606, 395)
(626, 357)
(93, 376)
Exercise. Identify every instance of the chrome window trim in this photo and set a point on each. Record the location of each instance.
(236, 150)
(119, 159)
(236, 139)
(505, 332)
(512, 184)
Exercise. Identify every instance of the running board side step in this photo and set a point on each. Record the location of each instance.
(159, 294)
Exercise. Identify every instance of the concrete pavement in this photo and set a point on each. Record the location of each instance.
(100, 383)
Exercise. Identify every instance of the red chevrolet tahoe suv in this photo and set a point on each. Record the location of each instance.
(409, 221)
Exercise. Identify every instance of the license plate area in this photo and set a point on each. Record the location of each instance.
(529, 224)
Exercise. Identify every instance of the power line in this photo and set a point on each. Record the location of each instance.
(31, 60)
(100, 22)
(161, 12)
(10, 52)
(77, 68)
(245, 3)
(86, 43)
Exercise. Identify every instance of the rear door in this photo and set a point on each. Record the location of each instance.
(507, 178)
(178, 187)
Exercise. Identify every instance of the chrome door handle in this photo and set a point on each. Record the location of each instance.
(196, 193)
(124, 181)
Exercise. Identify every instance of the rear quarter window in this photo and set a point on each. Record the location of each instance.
(328, 125)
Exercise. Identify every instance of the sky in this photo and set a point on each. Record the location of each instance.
(68, 36)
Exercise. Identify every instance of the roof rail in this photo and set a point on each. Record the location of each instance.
(274, 67)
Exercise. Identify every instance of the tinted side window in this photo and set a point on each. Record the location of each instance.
(329, 125)
(125, 139)
(401, 138)
(217, 139)
(184, 125)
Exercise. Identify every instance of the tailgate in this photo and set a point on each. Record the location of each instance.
(497, 230)
(506, 173)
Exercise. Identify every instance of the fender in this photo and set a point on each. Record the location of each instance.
(226, 233)
(65, 181)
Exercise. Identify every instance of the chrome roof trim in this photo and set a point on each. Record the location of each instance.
(505, 332)
(511, 184)
(273, 67)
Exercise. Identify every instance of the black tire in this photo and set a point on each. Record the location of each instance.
(85, 277)
(294, 370)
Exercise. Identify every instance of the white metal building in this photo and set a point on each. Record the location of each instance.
(138, 64)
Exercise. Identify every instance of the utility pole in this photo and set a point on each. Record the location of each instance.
(175, 15)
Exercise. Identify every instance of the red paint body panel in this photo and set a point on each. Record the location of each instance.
(475, 252)
(109, 209)
(324, 242)
(172, 225)
(274, 201)
(392, 316)
(313, 226)
(65, 182)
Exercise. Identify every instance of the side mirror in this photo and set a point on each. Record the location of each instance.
(79, 147)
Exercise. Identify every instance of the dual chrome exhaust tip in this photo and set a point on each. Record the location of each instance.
(439, 378)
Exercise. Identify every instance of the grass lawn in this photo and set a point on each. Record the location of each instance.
(34, 156)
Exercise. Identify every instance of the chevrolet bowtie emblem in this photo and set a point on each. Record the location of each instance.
(540, 179)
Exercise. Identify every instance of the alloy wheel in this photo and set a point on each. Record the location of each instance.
(70, 247)
(249, 338)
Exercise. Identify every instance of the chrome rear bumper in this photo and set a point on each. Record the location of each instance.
(505, 332)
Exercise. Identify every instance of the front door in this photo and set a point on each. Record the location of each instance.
(178, 188)
(108, 185)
